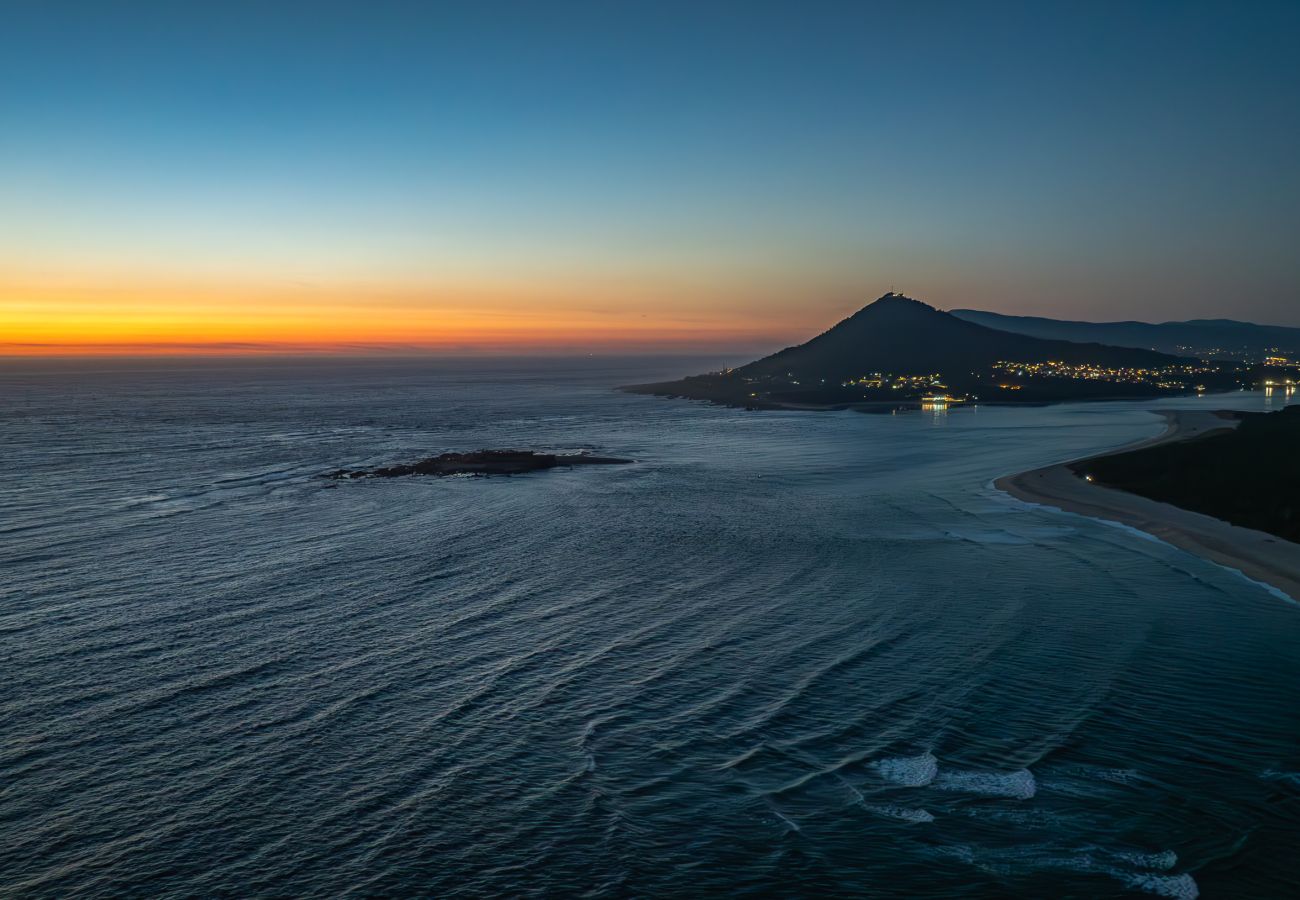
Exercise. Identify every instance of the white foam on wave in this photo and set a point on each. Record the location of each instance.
(1147, 536)
(1080, 781)
(1276, 592)
(1017, 785)
(959, 852)
(585, 746)
(908, 771)
(787, 820)
(1129, 529)
(1018, 816)
(1179, 887)
(145, 498)
(901, 813)
(1275, 775)
(857, 794)
(1166, 859)
(1016, 861)
(1115, 776)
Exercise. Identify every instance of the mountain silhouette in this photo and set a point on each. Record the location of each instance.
(903, 336)
(891, 351)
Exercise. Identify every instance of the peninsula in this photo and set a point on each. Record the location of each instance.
(898, 352)
(1220, 485)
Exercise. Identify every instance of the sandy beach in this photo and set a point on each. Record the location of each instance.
(1257, 555)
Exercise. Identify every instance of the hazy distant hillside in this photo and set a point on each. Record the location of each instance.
(898, 334)
(1195, 337)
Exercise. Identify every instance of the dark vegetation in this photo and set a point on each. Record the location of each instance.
(1248, 476)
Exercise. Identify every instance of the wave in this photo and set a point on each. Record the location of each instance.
(1118, 865)
(1147, 536)
(901, 813)
(1275, 775)
(584, 745)
(1017, 785)
(1166, 859)
(908, 771)
(790, 823)
(1115, 776)
(1088, 781)
(923, 770)
(1180, 887)
(987, 537)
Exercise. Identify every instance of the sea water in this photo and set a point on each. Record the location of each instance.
(782, 653)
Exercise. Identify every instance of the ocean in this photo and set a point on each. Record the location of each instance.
(782, 654)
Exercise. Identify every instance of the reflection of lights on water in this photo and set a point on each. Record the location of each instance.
(1275, 392)
(938, 411)
(937, 404)
(937, 407)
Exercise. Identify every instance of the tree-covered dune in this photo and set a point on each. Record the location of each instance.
(1247, 476)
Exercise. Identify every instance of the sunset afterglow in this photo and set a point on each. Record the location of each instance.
(184, 178)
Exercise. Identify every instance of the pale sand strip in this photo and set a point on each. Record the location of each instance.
(1255, 554)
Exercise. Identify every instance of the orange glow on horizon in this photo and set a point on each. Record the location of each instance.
(134, 316)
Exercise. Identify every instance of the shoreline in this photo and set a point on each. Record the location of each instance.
(1260, 557)
(671, 390)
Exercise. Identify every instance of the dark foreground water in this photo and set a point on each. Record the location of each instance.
(782, 654)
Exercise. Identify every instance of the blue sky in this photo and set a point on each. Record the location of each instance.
(773, 163)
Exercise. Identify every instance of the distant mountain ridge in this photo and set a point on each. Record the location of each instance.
(1192, 337)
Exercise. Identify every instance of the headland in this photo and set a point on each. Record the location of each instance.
(1196, 438)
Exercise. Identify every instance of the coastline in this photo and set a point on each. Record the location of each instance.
(1260, 557)
(679, 390)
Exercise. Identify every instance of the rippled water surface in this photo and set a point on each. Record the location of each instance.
(783, 653)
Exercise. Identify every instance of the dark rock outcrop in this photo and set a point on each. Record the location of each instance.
(481, 462)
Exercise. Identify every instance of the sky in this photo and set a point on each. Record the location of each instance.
(620, 176)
